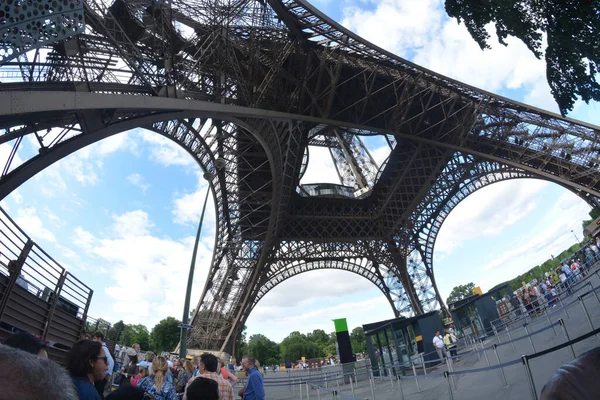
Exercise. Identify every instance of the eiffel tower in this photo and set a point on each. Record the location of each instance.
(246, 86)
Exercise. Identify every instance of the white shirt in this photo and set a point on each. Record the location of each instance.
(438, 342)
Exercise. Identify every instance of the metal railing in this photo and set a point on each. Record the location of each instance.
(37, 294)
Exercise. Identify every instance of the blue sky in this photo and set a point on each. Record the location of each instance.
(122, 214)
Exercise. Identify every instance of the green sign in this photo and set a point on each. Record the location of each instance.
(340, 325)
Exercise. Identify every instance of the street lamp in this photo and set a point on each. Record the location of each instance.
(576, 238)
(209, 176)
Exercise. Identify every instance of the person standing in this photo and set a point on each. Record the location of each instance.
(254, 389)
(101, 385)
(438, 343)
(86, 363)
(450, 343)
(209, 367)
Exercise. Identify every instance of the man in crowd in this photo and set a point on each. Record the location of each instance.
(100, 385)
(26, 342)
(27, 376)
(208, 367)
(255, 389)
(438, 343)
(140, 356)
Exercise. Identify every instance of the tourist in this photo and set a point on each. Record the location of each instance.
(25, 376)
(438, 344)
(101, 384)
(129, 369)
(86, 362)
(27, 342)
(209, 365)
(202, 389)
(184, 373)
(254, 389)
(225, 373)
(450, 343)
(579, 379)
(157, 384)
(143, 371)
(138, 352)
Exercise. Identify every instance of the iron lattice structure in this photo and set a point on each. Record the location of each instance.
(253, 83)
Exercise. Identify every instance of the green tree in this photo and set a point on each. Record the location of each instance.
(296, 345)
(460, 292)
(241, 346)
(263, 349)
(114, 333)
(357, 340)
(165, 335)
(571, 28)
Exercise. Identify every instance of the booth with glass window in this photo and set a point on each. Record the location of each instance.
(474, 314)
(393, 343)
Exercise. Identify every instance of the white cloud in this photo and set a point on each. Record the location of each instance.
(139, 263)
(28, 220)
(488, 212)
(320, 167)
(164, 151)
(131, 224)
(422, 32)
(139, 181)
(53, 218)
(187, 208)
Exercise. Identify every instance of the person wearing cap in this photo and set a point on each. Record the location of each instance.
(144, 371)
(129, 368)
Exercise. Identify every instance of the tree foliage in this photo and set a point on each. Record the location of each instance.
(263, 349)
(571, 29)
(460, 292)
(165, 335)
(297, 345)
(137, 333)
(358, 341)
(114, 333)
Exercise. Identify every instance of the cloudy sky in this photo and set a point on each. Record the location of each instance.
(121, 214)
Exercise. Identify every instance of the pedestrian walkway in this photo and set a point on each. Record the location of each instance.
(475, 375)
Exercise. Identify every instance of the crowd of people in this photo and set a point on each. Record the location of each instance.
(89, 373)
(548, 287)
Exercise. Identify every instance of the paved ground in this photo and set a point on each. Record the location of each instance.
(487, 384)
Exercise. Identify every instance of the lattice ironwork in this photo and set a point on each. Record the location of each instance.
(26, 25)
(245, 87)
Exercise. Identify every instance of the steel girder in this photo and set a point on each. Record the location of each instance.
(264, 75)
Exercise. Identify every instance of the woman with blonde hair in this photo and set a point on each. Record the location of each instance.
(157, 384)
(183, 376)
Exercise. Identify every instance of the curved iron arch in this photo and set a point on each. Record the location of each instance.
(293, 269)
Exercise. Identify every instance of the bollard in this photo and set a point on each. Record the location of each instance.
(337, 380)
(352, 387)
(451, 369)
(529, 377)
(307, 391)
(549, 321)
(596, 294)
(567, 339)
(413, 368)
(371, 383)
(587, 315)
(486, 358)
(510, 339)
(423, 361)
(529, 337)
(447, 376)
(563, 307)
(400, 387)
(501, 368)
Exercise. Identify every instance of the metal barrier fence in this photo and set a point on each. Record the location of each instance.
(37, 294)
(328, 384)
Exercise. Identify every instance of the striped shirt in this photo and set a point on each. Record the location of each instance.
(225, 389)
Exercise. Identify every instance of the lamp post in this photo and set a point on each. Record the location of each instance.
(186, 306)
(576, 238)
